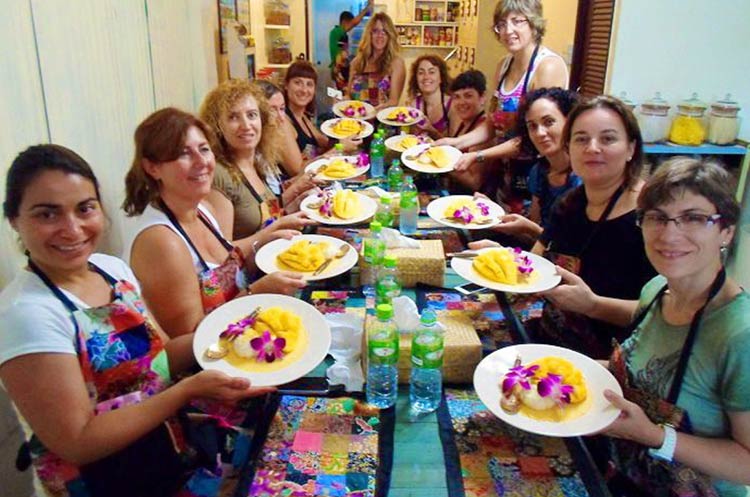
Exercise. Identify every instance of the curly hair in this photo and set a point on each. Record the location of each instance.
(159, 138)
(531, 9)
(634, 166)
(700, 176)
(219, 102)
(366, 49)
(564, 99)
(436, 61)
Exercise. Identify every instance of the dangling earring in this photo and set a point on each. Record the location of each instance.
(723, 252)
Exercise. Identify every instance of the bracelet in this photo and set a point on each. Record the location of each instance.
(479, 157)
(666, 451)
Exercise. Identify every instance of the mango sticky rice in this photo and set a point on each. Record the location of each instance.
(504, 265)
(304, 255)
(347, 127)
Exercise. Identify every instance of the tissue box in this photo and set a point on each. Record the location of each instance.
(425, 264)
(463, 350)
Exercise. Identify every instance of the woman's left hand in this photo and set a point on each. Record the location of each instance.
(632, 423)
(351, 144)
(573, 294)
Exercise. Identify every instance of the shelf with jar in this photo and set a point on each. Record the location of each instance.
(415, 35)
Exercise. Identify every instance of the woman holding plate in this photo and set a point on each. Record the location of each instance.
(246, 185)
(299, 83)
(519, 26)
(592, 229)
(378, 72)
(81, 359)
(685, 422)
(166, 191)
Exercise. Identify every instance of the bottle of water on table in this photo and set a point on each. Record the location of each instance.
(372, 256)
(426, 381)
(409, 205)
(382, 359)
(377, 156)
(385, 212)
(395, 176)
(388, 286)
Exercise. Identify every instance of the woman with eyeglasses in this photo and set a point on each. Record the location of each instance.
(378, 72)
(685, 422)
(592, 229)
(519, 26)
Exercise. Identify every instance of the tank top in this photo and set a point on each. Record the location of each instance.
(441, 125)
(306, 141)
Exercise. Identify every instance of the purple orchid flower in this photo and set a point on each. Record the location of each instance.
(523, 262)
(363, 159)
(552, 386)
(349, 112)
(236, 329)
(519, 375)
(484, 208)
(362, 111)
(327, 208)
(268, 349)
(464, 215)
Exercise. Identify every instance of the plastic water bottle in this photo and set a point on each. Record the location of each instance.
(388, 286)
(338, 150)
(395, 176)
(374, 250)
(382, 359)
(426, 381)
(385, 212)
(409, 204)
(377, 156)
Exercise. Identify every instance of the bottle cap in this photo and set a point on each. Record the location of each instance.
(390, 261)
(428, 317)
(375, 226)
(394, 162)
(384, 311)
(385, 200)
(339, 147)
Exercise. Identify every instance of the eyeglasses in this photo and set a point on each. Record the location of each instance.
(502, 26)
(379, 32)
(687, 223)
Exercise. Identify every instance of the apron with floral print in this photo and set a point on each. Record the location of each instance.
(371, 87)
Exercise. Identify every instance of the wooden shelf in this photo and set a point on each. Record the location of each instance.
(277, 26)
(446, 47)
(705, 149)
(278, 66)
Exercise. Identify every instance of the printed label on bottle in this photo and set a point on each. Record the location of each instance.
(427, 351)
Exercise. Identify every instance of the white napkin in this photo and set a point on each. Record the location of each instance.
(406, 316)
(346, 349)
(394, 239)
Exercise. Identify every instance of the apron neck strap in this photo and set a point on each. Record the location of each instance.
(59, 293)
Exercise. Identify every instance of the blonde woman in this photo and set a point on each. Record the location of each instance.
(247, 188)
(378, 72)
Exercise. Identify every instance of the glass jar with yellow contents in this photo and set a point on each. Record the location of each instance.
(723, 123)
(688, 127)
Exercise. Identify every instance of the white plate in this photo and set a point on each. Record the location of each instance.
(392, 142)
(327, 128)
(488, 378)
(453, 154)
(383, 116)
(351, 159)
(338, 109)
(547, 276)
(367, 206)
(318, 337)
(436, 210)
(266, 260)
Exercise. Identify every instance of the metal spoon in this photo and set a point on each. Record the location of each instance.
(341, 252)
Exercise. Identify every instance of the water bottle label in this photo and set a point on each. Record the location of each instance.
(427, 351)
(383, 355)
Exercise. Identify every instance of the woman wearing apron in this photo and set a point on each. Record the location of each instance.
(519, 26)
(428, 88)
(79, 356)
(185, 265)
(378, 72)
(685, 425)
(249, 197)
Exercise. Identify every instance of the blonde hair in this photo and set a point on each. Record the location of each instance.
(366, 49)
(219, 102)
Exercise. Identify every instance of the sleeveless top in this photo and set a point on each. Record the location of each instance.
(505, 114)
(440, 125)
(306, 141)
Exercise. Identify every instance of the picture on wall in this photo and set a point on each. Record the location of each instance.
(227, 13)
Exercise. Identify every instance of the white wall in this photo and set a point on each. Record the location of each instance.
(679, 47)
(84, 73)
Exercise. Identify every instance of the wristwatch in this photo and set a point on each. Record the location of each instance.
(666, 451)
(479, 157)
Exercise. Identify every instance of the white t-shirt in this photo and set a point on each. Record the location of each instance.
(154, 217)
(32, 318)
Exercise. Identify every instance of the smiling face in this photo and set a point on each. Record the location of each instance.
(60, 221)
(467, 102)
(241, 125)
(379, 37)
(300, 91)
(277, 104)
(545, 123)
(191, 173)
(600, 148)
(515, 32)
(428, 77)
(691, 253)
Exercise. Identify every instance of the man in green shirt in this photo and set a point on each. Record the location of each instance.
(338, 40)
